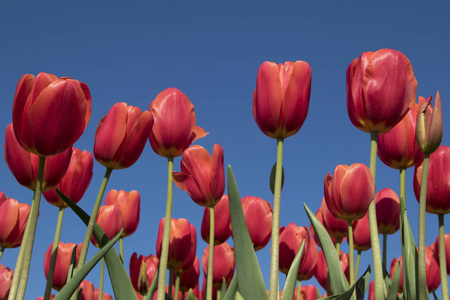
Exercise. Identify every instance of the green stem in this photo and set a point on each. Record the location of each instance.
(274, 260)
(51, 270)
(351, 253)
(338, 247)
(384, 250)
(358, 258)
(402, 229)
(177, 286)
(299, 290)
(1, 252)
(421, 263)
(209, 279)
(442, 260)
(376, 252)
(166, 234)
(102, 276)
(32, 231)
(121, 249)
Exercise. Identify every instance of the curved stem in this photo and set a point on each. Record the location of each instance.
(274, 260)
(32, 231)
(358, 258)
(351, 253)
(121, 249)
(51, 270)
(442, 260)
(376, 251)
(421, 262)
(209, 280)
(177, 286)
(102, 276)
(166, 234)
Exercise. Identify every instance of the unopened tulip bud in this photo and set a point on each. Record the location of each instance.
(429, 126)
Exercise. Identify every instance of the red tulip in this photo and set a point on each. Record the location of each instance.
(6, 275)
(76, 180)
(129, 205)
(307, 292)
(335, 227)
(393, 268)
(291, 239)
(429, 125)
(222, 222)
(174, 128)
(281, 98)
(180, 242)
(438, 189)
(87, 290)
(105, 296)
(321, 270)
(387, 206)
(63, 258)
(223, 264)
(349, 192)
(13, 219)
(258, 216)
(372, 290)
(319, 216)
(398, 148)
(110, 220)
(189, 278)
(121, 136)
(361, 234)
(192, 255)
(435, 248)
(433, 274)
(50, 114)
(202, 176)
(306, 271)
(24, 165)
(381, 88)
(142, 271)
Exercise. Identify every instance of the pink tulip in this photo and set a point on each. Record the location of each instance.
(222, 222)
(13, 219)
(319, 216)
(321, 270)
(6, 275)
(258, 216)
(109, 219)
(223, 265)
(105, 296)
(435, 248)
(361, 234)
(129, 204)
(87, 289)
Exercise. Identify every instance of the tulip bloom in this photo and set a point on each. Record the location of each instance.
(349, 192)
(258, 216)
(361, 234)
(223, 265)
(381, 88)
(429, 125)
(435, 248)
(281, 97)
(105, 296)
(24, 165)
(110, 220)
(433, 274)
(180, 243)
(50, 113)
(62, 262)
(393, 268)
(129, 206)
(306, 271)
(321, 269)
(6, 275)
(174, 129)
(202, 176)
(121, 136)
(142, 271)
(13, 219)
(291, 239)
(87, 290)
(336, 228)
(438, 189)
(387, 205)
(319, 216)
(222, 222)
(398, 148)
(76, 180)
(189, 278)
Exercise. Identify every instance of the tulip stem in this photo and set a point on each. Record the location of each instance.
(299, 289)
(384, 250)
(358, 258)
(376, 251)
(209, 281)
(421, 262)
(32, 231)
(1, 252)
(51, 270)
(402, 233)
(102, 276)
(338, 247)
(351, 253)
(166, 234)
(442, 260)
(274, 260)
(177, 286)
(121, 249)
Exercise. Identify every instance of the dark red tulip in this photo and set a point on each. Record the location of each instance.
(258, 216)
(429, 125)
(50, 113)
(349, 192)
(381, 88)
(202, 176)
(222, 222)
(438, 189)
(435, 248)
(387, 206)
(121, 136)
(13, 219)
(110, 220)
(223, 264)
(174, 129)
(24, 165)
(281, 97)
(142, 271)
(76, 180)
(433, 274)
(189, 278)
(129, 204)
(62, 262)
(291, 239)
(306, 271)
(6, 275)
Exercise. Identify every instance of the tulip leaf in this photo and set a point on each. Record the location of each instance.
(232, 289)
(337, 278)
(272, 177)
(71, 286)
(435, 296)
(121, 284)
(249, 276)
(363, 283)
(224, 287)
(409, 260)
(153, 286)
(291, 279)
(191, 296)
(73, 264)
(238, 296)
(392, 292)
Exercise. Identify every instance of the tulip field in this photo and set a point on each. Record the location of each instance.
(158, 162)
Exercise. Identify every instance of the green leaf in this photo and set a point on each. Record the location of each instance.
(191, 295)
(272, 177)
(409, 260)
(435, 296)
(223, 291)
(73, 264)
(249, 276)
(68, 289)
(238, 296)
(153, 286)
(392, 292)
(121, 284)
(291, 279)
(337, 278)
(363, 283)
(232, 289)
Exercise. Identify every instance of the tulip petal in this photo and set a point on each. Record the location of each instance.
(10, 215)
(217, 174)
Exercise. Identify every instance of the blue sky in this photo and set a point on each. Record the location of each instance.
(131, 52)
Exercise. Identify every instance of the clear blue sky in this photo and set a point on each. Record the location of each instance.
(131, 52)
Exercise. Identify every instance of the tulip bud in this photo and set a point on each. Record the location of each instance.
(129, 206)
(429, 125)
